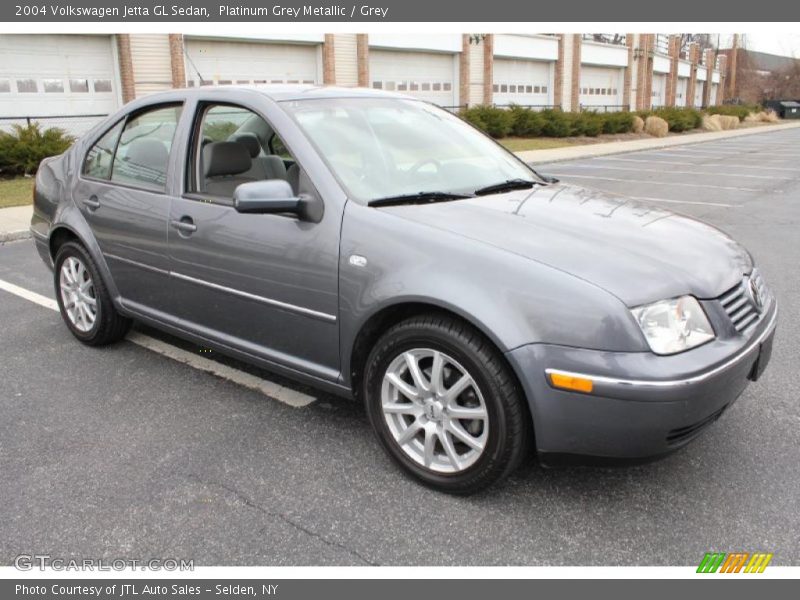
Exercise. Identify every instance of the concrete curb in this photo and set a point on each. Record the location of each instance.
(536, 157)
(13, 236)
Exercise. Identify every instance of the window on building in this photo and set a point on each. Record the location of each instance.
(79, 86)
(377, 85)
(512, 89)
(224, 82)
(143, 149)
(437, 87)
(389, 85)
(447, 86)
(528, 89)
(5, 86)
(504, 88)
(102, 85)
(414, 86)
(402, 86)
(495, 88)
(544, 89)
(27, 86)
(53, 86)
(426, 87)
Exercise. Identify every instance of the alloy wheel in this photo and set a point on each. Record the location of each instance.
(434, 410)
(78, 294)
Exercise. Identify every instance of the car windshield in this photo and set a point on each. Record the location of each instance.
(388, 147)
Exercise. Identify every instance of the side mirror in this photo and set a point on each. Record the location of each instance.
(264, 197)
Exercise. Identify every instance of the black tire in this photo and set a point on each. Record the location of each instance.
(109, 326)
(510, 428)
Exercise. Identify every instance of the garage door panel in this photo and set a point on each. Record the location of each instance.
(67, 75)
(524, 82)
(601, 86)
(242, 62)
(426, 75)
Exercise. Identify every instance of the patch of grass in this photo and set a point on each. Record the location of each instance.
(15, 192)
(523, 144)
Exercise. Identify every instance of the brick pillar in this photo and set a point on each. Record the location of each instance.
(328, 61)
(463, 71)
(488, 69)
(558, 76)
(176, 60)
(362, 58)
(730, 72)
(723, 70)
(672, 77)
(575, 81)
(644, 71)
(125, 67)
(694, 57)
(627, 82)
(709, 60)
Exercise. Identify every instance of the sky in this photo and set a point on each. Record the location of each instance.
(785, 44)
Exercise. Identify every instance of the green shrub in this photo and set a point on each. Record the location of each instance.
(734, 110)
(526, 122)
(618, 122)
(497, 122)
(556, 123)
(22, 150)
(586, 123)
(220, 131)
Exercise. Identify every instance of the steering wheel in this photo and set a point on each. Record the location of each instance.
(421, 163)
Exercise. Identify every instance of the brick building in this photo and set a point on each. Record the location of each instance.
(60, 75)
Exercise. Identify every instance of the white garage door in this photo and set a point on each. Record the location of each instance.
(699, 87)
(681, 91)
(426, 75)
(659, 89)
(601, 87)
(225, 62)
(57, 75)
(524, 82)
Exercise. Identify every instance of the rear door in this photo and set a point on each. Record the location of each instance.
(124, 195)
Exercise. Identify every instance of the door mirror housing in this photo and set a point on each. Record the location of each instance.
(265, 197)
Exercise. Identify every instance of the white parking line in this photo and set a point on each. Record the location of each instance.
(670, 201)
(659, 183)
(268, 388)
(671, 171)
(681, 163)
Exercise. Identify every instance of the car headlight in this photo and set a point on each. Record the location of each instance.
(672, 326)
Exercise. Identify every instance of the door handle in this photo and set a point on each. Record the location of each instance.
(185, 224)
(92, 202)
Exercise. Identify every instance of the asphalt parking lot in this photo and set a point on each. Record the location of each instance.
(124, 453)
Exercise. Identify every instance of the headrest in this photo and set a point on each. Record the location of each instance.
(225, 158)
(250, 141)
(148, 153)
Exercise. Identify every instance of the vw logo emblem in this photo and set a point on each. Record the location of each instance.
(755, 295)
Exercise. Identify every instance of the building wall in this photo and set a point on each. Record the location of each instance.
(152, 64)
(345, 46)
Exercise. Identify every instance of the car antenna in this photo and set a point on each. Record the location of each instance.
(191, 62)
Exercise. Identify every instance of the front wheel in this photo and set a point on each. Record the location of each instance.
(444, 404)
(83, 298)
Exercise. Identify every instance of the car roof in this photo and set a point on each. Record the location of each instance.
(283, 92)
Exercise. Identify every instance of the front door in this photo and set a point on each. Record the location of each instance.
(264, 284)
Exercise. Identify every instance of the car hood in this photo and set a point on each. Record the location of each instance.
(636, 252)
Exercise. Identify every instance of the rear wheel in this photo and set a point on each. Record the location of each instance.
(83, 298)
(444, 404)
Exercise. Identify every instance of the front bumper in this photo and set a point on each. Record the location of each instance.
(642, 405)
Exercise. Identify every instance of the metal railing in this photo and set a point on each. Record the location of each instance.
(617, 39)
(605, 108)
(529, 106)
(454, 109)
(72, 124)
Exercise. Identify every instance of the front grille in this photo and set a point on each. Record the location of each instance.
(739, 304)
(682, 434)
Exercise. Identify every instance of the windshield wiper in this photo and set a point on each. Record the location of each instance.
(417, 198)
(506, 186)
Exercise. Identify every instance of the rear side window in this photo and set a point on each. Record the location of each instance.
(143, 150)
(99, 158)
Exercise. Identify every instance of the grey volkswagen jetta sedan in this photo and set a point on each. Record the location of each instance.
(376, 246)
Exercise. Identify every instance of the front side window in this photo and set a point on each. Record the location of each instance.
(379, 147)
(236, 146)
(99, 158)
(144, 146)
